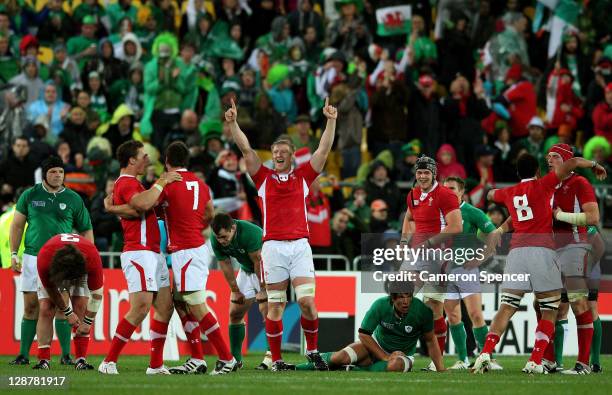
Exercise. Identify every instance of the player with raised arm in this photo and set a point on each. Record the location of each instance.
(473, 220)
(68, 262)
(532, 254)
(575, 207)
(49, 209)
(143, 266)
(242, 241)
(286, 254)
(432, 218)
(388, 335)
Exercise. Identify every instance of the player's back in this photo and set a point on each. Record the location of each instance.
(86, 247)
(184, 205)
(530, 206)
(138, 233)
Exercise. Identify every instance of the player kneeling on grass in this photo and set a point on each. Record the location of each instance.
(388, 334)
(68, 262)
(241, 240)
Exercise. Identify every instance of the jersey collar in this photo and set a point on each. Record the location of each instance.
(55, 193)
(528, 179)
(462, 204)
(425, 194)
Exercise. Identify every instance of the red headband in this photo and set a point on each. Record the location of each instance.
(564, 150)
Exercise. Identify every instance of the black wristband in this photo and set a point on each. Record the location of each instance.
(88, 320)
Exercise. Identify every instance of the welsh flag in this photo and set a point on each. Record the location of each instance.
(393, 20)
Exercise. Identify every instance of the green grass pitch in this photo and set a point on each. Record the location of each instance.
(133, 381)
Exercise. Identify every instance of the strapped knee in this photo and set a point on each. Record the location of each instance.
(407, 363)
(577, 295)
(351, 353)
(304, 290)
(511, 299)
(276, 296)
(437, 296)
(550, 303)
(195, 298)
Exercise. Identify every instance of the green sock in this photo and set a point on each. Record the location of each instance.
(596, 343)
(28, 332)
(64, 334)
(305, 366)
(310, 366)
(480, 334)
(237, 333)
(459, 338)
(559, 338)
(379, 366)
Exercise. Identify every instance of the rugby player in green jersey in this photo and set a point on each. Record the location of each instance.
(474, 220)
(388, 335)
(241, 240)
(49, 209)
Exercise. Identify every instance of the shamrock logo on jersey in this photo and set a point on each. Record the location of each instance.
(62, 206)
(408, 328)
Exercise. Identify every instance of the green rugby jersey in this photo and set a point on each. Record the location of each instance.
(394, 333)
(475, 222)
(49, 214)
(248, 238)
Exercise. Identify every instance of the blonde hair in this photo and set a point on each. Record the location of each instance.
(284, 141)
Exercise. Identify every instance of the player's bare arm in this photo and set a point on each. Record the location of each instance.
(256, 259)
(588, 216)
(373, 347)
(407, 227)
(453, 227)
(327, 138)
(434, 351)
(599, 247)
(123, 210)
(15, 235)
(570, 165)
(88, 234)
(209, 212)
(146, 200)
(228, 272)
(62, 305)
(253, 163)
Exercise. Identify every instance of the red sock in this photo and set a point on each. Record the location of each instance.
(440, 332)
(549, 353)
(191, 326)
(122, 335)
(44, 352)
(158, 338)
(81, 343)
(584, 323)
(311, 333)
(274, 332)
(210, 327)
(490, 343)
(544, 332)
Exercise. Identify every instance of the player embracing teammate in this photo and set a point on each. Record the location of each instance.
(532, 253)
(286, 254)
(184, 202)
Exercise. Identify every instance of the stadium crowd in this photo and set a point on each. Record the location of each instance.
(473, 83)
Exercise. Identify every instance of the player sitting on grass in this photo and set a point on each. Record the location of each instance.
(388, 335)
(241, 240)
(68, 262)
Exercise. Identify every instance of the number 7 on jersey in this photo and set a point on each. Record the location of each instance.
(193, 186)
